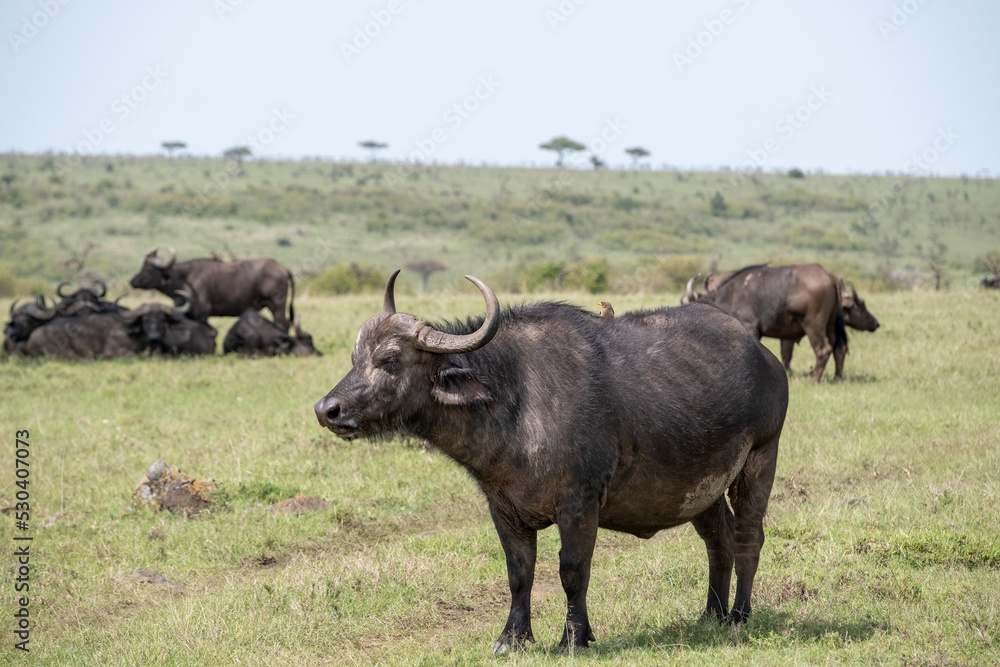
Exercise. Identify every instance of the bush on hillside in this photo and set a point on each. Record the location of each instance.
(348, 279)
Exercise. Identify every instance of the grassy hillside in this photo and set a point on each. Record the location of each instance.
(517, 227)
(881, 544)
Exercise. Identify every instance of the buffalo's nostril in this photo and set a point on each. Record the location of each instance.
(332, 413)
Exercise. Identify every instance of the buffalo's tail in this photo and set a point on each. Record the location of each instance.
(291, 302)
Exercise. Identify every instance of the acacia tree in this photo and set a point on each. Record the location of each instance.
(561, 145)
(373, 146)
(637, 153)
(172, 146)
(237, 153)
(425, 267)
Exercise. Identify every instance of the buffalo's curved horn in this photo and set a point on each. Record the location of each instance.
(165, 264)
(389, 300)
(102, 289)
(854, 292)
(59, 290)
(430, 339)
(297, 324)
(181, 310)
(118, 305)
(689, 294)
(40, 311)
(13, 306)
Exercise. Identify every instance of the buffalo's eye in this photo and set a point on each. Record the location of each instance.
(388, 363)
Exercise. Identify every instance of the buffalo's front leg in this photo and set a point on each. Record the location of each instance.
(520, 545)
(578, 535)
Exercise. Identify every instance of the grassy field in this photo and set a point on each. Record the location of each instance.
(881, 544)
(511, 225)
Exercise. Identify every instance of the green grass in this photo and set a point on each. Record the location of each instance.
(105, 213)
(881, 544)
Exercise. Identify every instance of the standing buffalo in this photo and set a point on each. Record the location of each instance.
(635, 424)
(856, 315)
(253, 335)
(990, 282)
(785, 302)
(221, 288)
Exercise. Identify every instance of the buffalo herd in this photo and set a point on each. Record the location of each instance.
(83, 325)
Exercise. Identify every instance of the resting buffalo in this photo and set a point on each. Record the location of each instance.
(23, 320)
(166, 330)
(635, 424)
(221, 288)
(785, 302)
(89, 336)
(86, 300)
(253, 335)
(95, 335)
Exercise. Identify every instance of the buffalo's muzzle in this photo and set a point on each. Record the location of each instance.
(330, 415)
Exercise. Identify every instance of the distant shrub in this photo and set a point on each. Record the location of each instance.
(348, 279)
(795, 172)
(669, 274)
(989, 263)
(717, 204)
(13, 286)
(591, 275)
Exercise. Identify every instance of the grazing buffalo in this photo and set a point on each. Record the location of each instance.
(221, 288)
(253, 335)
(990, 282)
(635, 424)
(785, 302)
(856, 315)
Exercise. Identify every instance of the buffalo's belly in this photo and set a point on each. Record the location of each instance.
(654, 494)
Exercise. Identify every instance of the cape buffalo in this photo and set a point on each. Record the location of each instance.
(785, 302)
(635, 424)
(166, 330)
(253, 335)
(23, 320)
(89, 336)
(102, 335)
(856, 315)
(86, 300)
(990, 282)
(221, 288)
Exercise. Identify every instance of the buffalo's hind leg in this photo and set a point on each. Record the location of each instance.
(715, 526)
(578, 537)
(520, 546)
(748, 495)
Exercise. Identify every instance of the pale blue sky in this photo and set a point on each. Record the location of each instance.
(873, 83)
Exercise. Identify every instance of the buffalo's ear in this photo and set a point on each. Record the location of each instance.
(458, 386)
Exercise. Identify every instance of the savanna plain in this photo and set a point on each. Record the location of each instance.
(881, 535)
